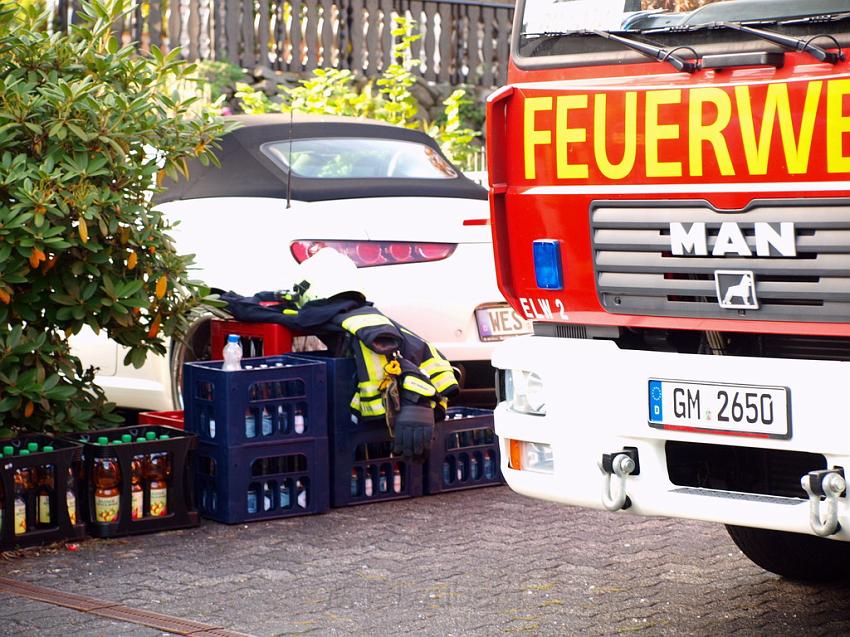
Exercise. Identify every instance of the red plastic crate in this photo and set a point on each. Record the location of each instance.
(169, 418)
(258, 339)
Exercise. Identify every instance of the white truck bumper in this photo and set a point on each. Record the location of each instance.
(597, 403)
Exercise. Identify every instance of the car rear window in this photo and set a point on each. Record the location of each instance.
(359, 158)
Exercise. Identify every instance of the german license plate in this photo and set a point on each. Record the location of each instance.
(746, 410)
(496, 322)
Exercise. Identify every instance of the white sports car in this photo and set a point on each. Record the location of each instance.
(383, 195)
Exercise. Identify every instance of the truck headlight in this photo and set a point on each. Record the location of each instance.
(524, 392)
(531, 456)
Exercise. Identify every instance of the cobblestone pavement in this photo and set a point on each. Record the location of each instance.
(481, 562)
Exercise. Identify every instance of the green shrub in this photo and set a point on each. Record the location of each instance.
(85, 127)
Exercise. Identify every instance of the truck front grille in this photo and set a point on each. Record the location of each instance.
(637, 273)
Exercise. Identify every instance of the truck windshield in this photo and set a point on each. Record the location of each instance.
(548, 19)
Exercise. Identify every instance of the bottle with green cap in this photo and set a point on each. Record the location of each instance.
(23, 480)
(157, 472)
(107, 483)
(32, 447)
(45, 498)
(102, 440)
(71, 495)
(8, 451)
(150, 435)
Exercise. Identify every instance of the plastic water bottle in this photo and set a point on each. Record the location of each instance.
(397, 479)
(284, 495)
(252, 500)
(447, 472)
(355, 483)
(474, 468)
(232, 354)
(301, 490)
(298, 422)
(489, 472)
(382, 481)
(367, 484)
(267, 422)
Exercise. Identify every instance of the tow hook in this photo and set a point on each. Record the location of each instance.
(828, 484)
(616, 467)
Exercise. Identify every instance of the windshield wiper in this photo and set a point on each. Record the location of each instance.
(649, 50)
(791, 42)
(656, 52)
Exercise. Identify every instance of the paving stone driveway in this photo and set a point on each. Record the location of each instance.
(481, 562)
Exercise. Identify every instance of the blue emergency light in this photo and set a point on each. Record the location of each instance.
(547, 264)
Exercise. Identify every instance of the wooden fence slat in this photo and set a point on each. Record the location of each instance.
(262, 38)
(248, 58)
(488, 19)
(372, 48)
(446, 61)
(155, 22)
(193, 29)
(503, 43)
(472, 45)
(296, 63)
(311, 35)
(357, 36)
(415, 15)
(327, 37)
(232, 30)
(278, 35)
(430, 44)
(386, 33)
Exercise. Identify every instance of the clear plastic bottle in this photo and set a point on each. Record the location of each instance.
(301, 491)
(285, 498)
(355, 483)
(397, 479)
(298, 422)
(232, 354)
(489, 466)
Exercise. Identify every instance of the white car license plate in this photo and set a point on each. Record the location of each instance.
(495, 322)
(745, 410)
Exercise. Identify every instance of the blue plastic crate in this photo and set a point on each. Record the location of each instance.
(271, 399)
(464, 453)
(262, 481)
(363, 469)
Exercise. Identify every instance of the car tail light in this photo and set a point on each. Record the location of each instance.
(371, 253)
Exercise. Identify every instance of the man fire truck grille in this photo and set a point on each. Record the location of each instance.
(662, 259)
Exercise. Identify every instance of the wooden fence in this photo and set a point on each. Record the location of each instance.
(462, 41)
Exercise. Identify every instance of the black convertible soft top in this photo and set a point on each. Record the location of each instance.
(247, 172)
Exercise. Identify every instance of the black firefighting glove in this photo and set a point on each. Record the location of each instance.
(414, 428)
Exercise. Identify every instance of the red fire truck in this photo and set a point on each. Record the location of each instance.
(670, 204)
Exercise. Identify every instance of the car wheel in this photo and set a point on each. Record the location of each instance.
(195, 347)
(793, 555)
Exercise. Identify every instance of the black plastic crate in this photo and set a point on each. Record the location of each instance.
(180, 511)
(62, 466)
(361, 451)
(464, 453)
(262, 481)
(271, 399)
